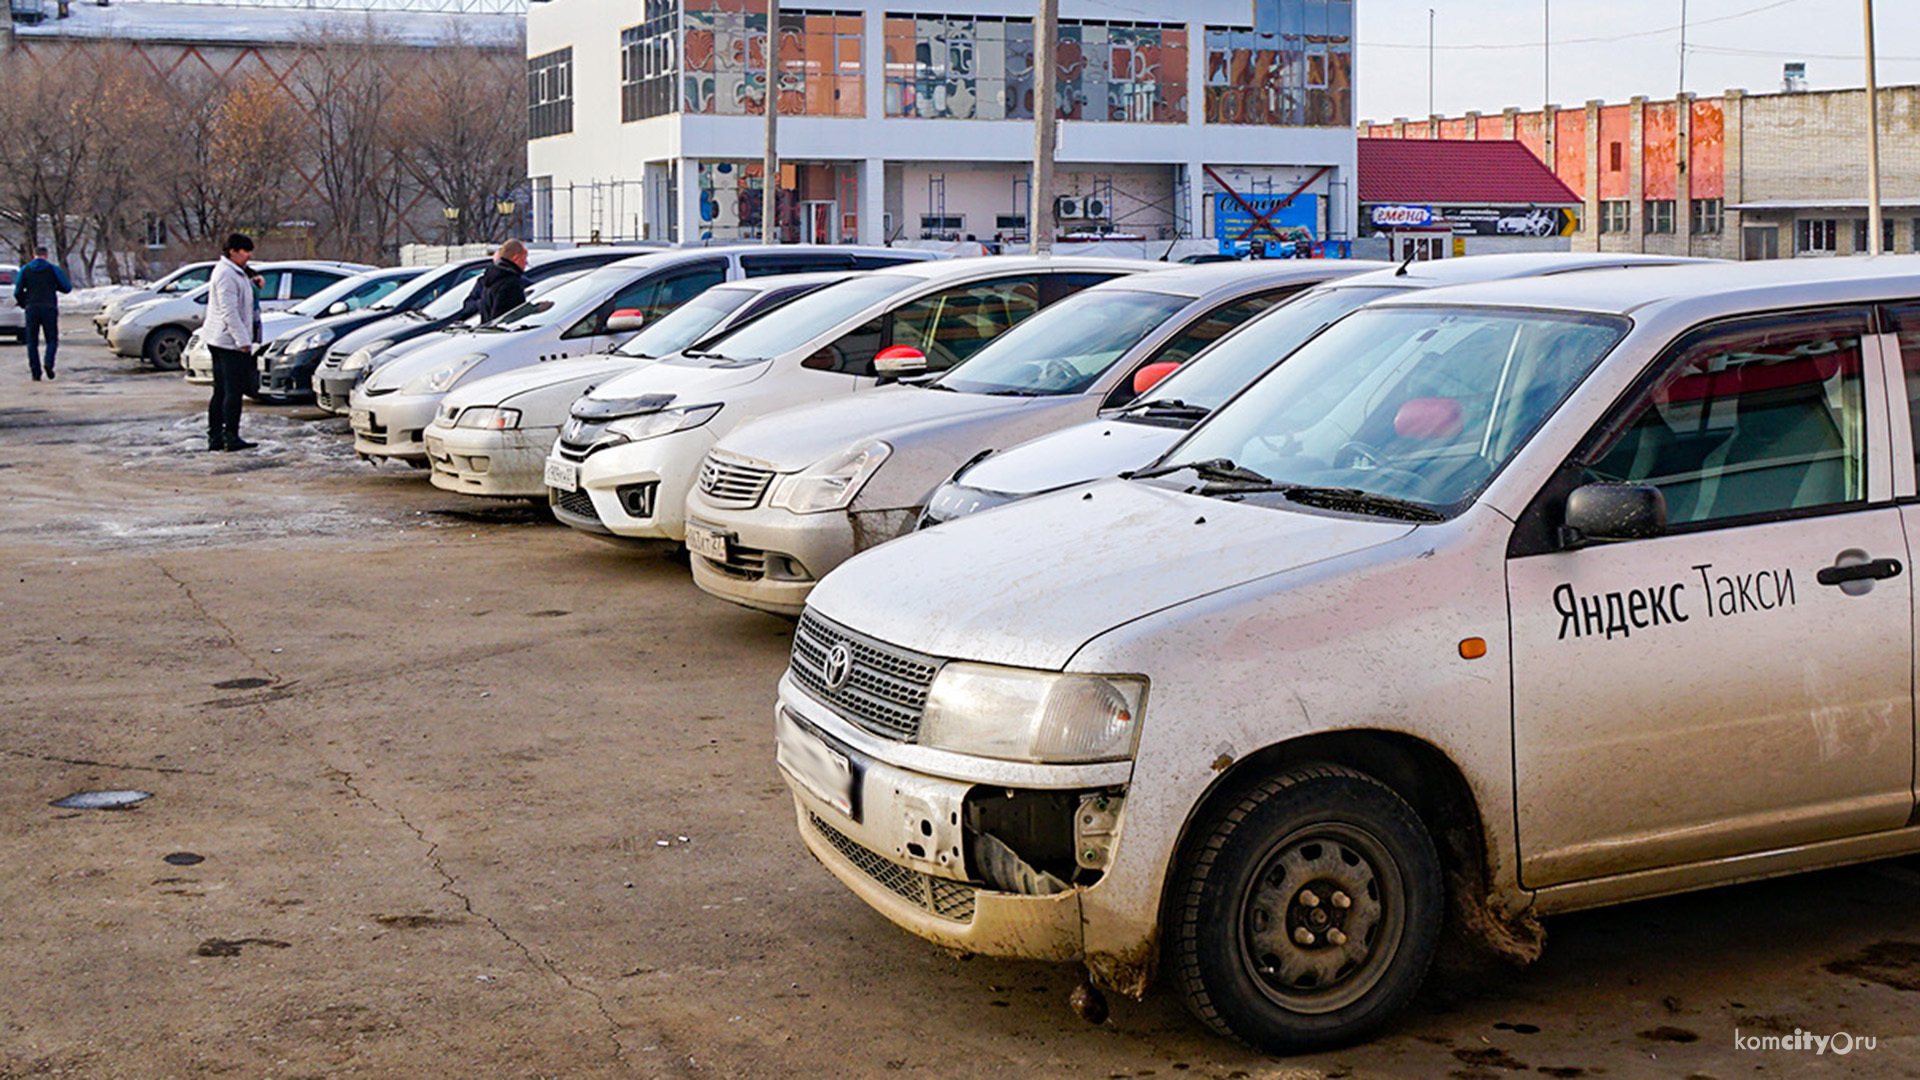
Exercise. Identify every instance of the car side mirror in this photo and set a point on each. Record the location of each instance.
(1613, 512)
(338, 307)
(1148, 377)
(899, 361)
(625, 321)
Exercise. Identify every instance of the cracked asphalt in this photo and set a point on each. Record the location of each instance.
(475, 796)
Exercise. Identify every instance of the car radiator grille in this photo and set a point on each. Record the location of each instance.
(885, 691)
(577, 503)
(730, 483)
(947, 899)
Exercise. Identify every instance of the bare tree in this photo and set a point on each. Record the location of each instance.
(461, 135)
(347, 82)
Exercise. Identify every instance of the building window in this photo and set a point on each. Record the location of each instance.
(942, 226)
(1301, 76)
(1615, 216)
(725, 49)
(1860, 235)
(964, 67)
(1816, 236)
(1010, 223)
(1709, 217)
(550, 94)
(1659, 215)
(1614, 157)
(156, 231)
(650, 63)
(1425, 248)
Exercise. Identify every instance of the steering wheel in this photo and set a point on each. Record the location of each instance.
(1054, 373)
(1354, 452)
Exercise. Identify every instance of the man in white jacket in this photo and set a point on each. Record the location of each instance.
(229, 336)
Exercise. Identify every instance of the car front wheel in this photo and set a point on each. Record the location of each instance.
(1307, 911)
(166, 348)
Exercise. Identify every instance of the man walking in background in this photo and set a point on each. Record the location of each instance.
(37, 290)
(503, 285)
(230, 338)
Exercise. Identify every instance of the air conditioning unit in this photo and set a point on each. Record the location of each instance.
(1067, 206)
(1094, 207)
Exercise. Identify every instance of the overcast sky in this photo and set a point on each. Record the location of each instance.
(1488, 53)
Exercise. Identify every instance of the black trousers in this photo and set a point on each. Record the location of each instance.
(234, 375)
(42, 323)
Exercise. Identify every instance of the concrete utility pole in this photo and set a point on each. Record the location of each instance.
(1683, 47)
(770, 167)
(1429, 61)
(1546, 53)
(1873, 144)
(1046, 123)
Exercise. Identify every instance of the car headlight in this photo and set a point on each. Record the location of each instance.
(951, 500)
(362, 356)
(447, 374)
(319, 339)
(665, 422)
(1043, 716)
(492, 419)
(832, 482)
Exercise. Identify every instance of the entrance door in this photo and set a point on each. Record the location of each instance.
(1743, 683)
(819, 222)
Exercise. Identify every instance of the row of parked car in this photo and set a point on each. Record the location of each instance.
(1235, 623)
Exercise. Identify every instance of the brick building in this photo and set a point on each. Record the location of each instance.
(1737, 175)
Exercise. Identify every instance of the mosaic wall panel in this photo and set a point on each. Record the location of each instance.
(978, 68)
(725, 50)
(1296, 72)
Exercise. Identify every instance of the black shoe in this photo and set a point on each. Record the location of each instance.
(36, 376)
(49, 374)
(237, 443)
(214, 445)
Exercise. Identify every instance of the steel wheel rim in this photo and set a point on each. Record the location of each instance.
(169, 351)
(1341, 886)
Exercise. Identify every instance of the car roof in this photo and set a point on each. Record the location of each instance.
(1199, 279)
(771, 282)
(1435, 273)
(542, 258)
(312, 264)
(1700, 290)
(938, 270)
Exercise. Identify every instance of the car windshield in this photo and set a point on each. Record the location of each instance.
(805, 319)
(685, 324)
(316, 305)
(184, 279)
(1065, 348)
(1417, 406)
(567, 300)
(449, 303)
(1218, 373)
(427, 282)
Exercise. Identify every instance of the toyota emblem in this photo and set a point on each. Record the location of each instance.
(837, 668)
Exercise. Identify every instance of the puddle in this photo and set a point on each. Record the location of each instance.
(184, 858)
(1889, 963)
(214, 946)
(101, 800)
(250, 683)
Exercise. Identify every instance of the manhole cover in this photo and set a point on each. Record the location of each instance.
(101, 800)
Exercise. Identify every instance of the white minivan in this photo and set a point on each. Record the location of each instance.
(1505, 599)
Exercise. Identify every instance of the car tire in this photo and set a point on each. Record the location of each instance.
(165, 348)
(1321, 851)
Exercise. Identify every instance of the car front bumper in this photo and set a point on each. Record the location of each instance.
(128, 339)
(393, 425)
(333, 388)
(505, 464)
(637, 489)
(774, 557)
(290, 375)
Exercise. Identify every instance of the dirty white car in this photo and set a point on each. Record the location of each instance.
(493, 435)
(1510, 599)
(630, 452)
(179, 282)
(1097, 349)
(1129, 436)
(157, 330)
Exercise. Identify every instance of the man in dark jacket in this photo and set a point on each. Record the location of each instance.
(503, 285)
(37, 289)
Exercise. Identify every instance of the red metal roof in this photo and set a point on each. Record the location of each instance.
(1457, 172)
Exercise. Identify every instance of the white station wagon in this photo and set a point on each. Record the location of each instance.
(1517, 598)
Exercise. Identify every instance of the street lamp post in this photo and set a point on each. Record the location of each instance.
(452, 214)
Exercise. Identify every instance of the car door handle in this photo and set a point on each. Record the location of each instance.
(1874, 569)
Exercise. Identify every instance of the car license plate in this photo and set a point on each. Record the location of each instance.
(832, 776)
(361, 419)
(562, 475)
(706, 542)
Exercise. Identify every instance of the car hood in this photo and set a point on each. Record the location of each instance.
(389, 325)
(695, 385)
(1090, 451)
(509, 388)
(900, 415)
(440, 349)
(275, 323)
(1029, 584)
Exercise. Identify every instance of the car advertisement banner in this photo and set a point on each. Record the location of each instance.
(1539, 221)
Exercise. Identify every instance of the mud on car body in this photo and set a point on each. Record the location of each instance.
(1364, 645)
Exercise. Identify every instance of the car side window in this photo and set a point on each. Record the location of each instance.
(1904, 324)
(853, 354)
(307, 282)
(653, 296)
(189, 281)
(796, 263)
(269, 287)
(953, 324)
(1199, 334)
(1756, 417)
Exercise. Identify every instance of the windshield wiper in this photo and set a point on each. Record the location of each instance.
(1173, 409)
(1211, 469)
(1358, 501)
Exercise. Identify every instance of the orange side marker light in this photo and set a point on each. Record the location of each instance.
(1473, 648)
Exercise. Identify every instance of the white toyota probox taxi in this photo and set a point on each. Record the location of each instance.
(1512, 598)
(1099, 348)
(633, 447)
(493, 435)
